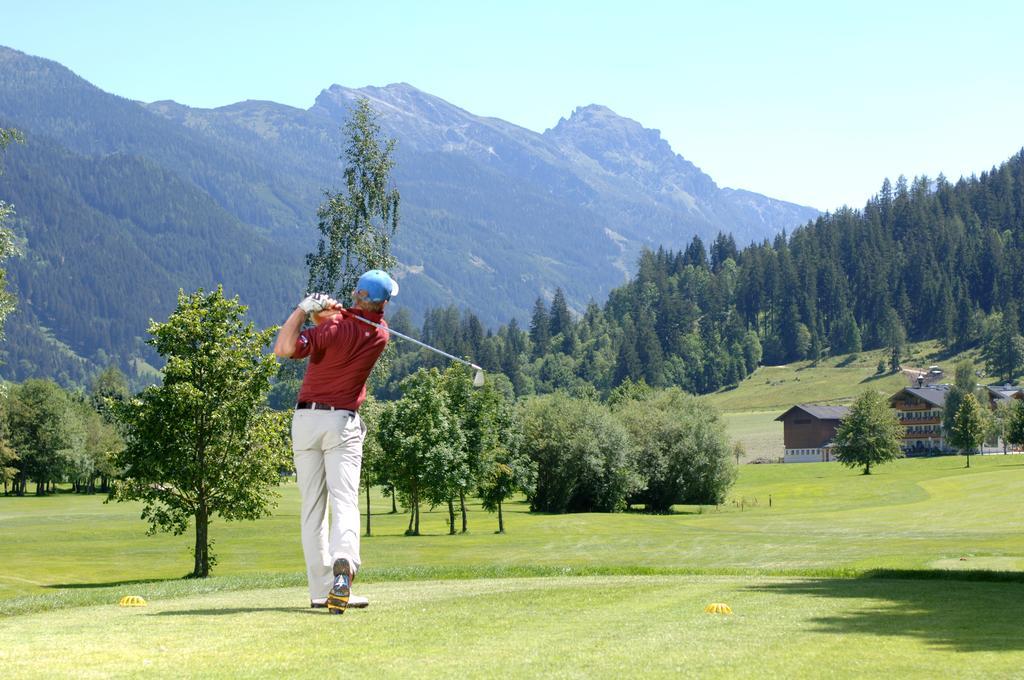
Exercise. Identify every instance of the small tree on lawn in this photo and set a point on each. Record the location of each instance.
(420, 437)
(997, 422)
(495, 433)
(373, 468)
(202, 443)
(964, 383)
(870, 434)
(464, 463)
(739, 452)
(1015, 424)
(968, 431)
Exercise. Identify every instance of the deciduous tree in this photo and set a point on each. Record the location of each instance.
(373, 469)
(494, 434)
(8, 456)
(964, 383)
(40, 431)
(7, 246)
(1015, 424)
(582, 455)
(202, 443)
(357, 223)
(679, 448)
(968, 430)
(420, 438)
(870, 434)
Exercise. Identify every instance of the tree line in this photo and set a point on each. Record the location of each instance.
(924, 259)
(50, 435)
(442, 441)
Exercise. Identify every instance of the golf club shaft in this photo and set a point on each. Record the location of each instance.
(417, 342)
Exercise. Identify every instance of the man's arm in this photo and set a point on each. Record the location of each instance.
(289, 334)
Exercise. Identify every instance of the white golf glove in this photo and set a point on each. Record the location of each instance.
(317, 302)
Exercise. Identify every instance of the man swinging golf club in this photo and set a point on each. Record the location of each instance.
(327, 433)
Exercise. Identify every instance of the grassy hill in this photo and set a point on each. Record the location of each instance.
(750, 409)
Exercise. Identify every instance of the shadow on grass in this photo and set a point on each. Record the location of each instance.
(675, 510)
(228, 611)
(961, 611)
(111, 584)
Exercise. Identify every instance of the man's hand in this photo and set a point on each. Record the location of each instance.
(317, 302)
(325, 314)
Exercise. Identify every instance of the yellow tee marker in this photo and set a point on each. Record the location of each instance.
(132, 601)
(718, 608)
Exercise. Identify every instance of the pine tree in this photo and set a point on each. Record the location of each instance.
(540, 328)
(561, 319)
(1003, 351)
(695, 255)
(628, 365)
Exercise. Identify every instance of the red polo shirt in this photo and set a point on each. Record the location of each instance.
(342, 351)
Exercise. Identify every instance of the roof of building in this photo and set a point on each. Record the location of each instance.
(819, 412)
(933, 394)
(1004, 391)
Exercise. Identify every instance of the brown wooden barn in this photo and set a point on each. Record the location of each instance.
(808, 431)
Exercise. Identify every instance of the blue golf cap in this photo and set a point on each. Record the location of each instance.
(378, 285)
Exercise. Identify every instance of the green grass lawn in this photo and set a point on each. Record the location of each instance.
(601, 626)
(824, 518)
(584, 595)
(758, 432)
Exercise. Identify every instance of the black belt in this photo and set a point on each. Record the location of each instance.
(322, 407)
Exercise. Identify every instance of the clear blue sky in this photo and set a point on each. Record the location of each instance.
(813, 102)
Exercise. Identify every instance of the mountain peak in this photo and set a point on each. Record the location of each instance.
(397, 100)
(593, 111)
(600, 122)
(611, 139)
(597, 115)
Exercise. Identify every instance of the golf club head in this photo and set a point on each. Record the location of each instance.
(478, 378)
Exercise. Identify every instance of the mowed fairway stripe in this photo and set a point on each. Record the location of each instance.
(909, 514)
(634, 626)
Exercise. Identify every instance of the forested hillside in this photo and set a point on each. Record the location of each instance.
(923, 259)
(106, 249)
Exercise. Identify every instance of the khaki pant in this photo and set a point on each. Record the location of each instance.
(328, 454)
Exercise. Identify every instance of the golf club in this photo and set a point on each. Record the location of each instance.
(478, 376)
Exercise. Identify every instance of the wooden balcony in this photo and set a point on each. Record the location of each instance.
(921, 421)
